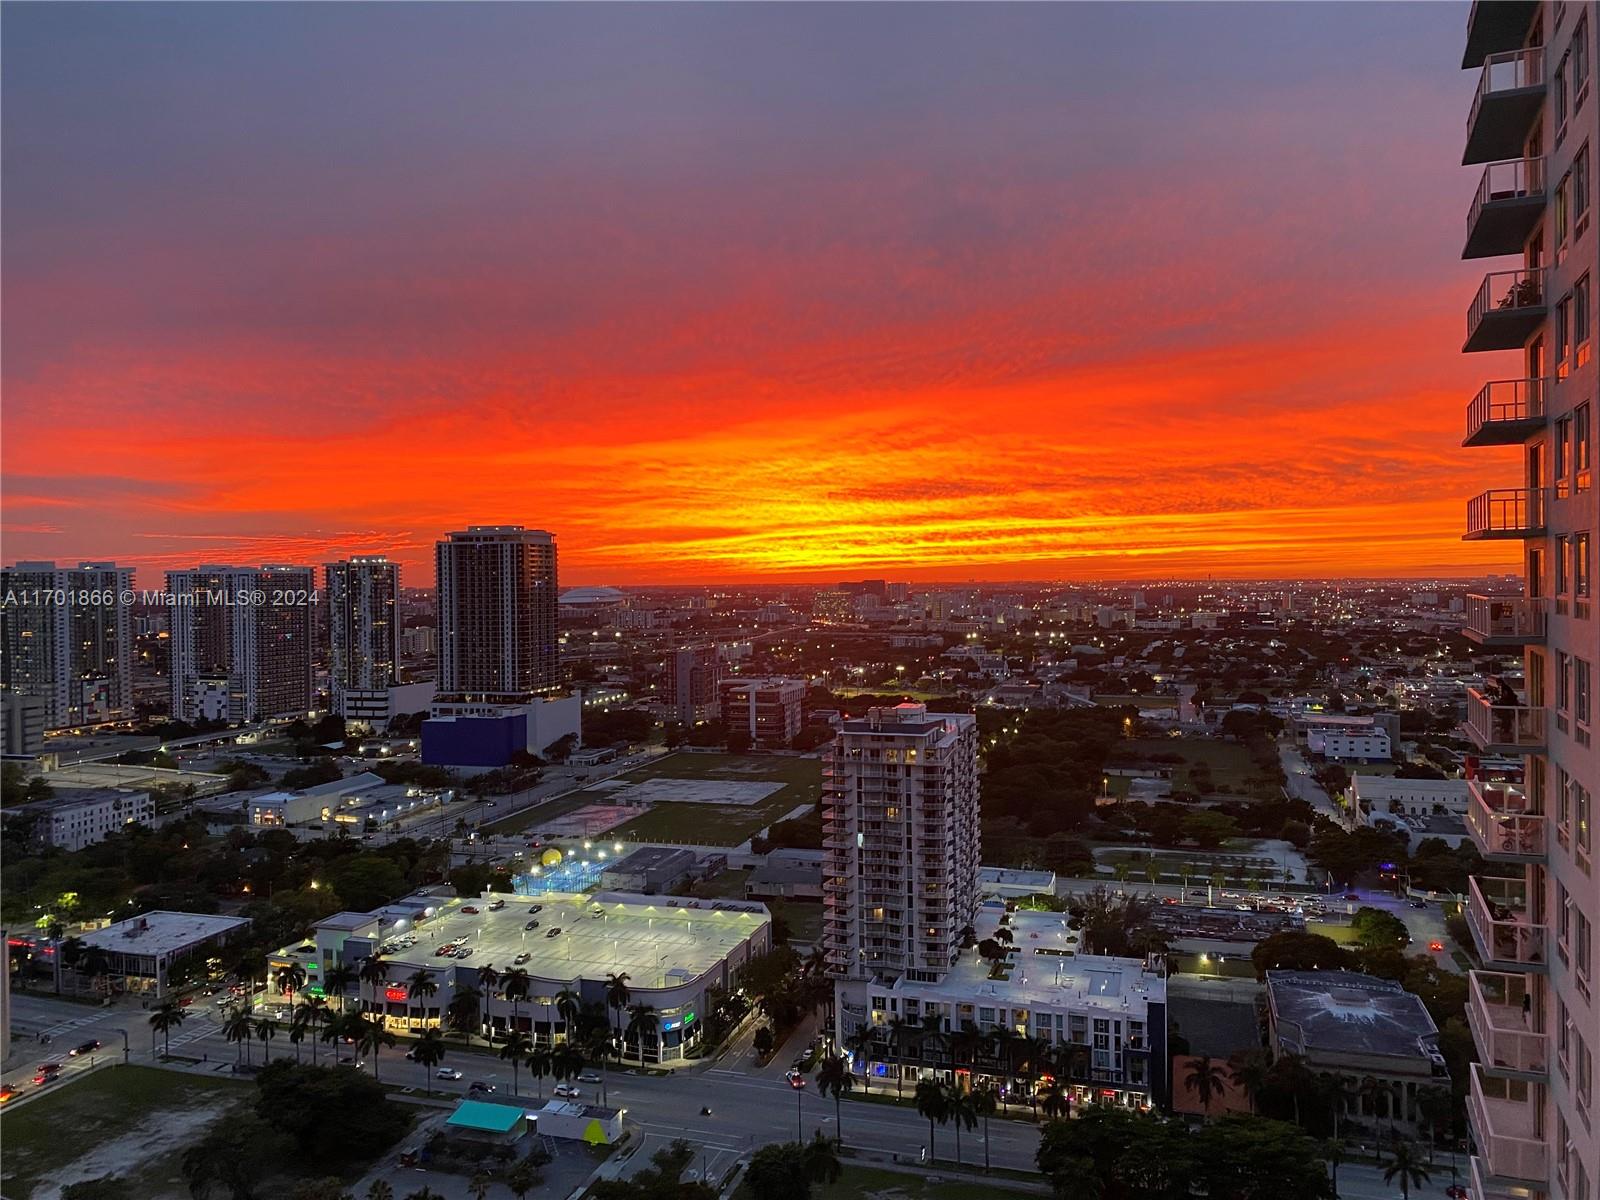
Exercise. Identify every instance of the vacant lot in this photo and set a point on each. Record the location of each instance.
(133, 1122)
(1229, 762)
(800, 781)
(873, 1183)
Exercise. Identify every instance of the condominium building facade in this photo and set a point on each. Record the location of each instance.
(1534, 132)
(766, 710)
(900, 843)
(242, 642)
(694, 674)
(363, 592)
(497, 614)
(68, 640)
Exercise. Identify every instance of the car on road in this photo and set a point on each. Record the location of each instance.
(464, 952)
(1352, 895)
(1436, 945)
(795, 1078)
(470, 910)
(535, 908)
(88, 1047)
(567, 1092)
(44, 1077)
(443, 950)
(533, 924)
(1417, 903)
(520, 959)
(7, 1093)
(496, 905)
(553, 932)
(479, 1088)
(447, 1073)
(588, 1077)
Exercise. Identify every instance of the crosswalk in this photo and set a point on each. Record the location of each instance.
(62, 1027)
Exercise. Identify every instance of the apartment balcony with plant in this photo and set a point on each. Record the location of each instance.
(1503, 928)
(1507, 310)
(1500, 724)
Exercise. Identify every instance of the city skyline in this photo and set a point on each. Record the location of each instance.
(742, 295)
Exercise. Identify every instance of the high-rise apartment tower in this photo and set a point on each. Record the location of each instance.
(497, 614)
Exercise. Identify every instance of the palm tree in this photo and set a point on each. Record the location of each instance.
(429, 1052)
(899, 1035)
(931, 1030)
(516, 1049)
(962, 1112)
(1333, 1151)
(168, 1016)
(822, 1161)
(421, 987)
(541, 1061)
(1053, 1098)
(290, 979)
(617, 997)
(1372, 1090)
(861, 1042)
(1205, 1079)
(479, 1185)
(336, 981)
(1005, 1042)
(932, 1103)
(833, 1077)
(984, 1104)
(1291, 1073)
(522, 1178)
(597, 1045)
(374, 973)
(466, 1007)
(567, 1061)
(641, 1020)
(266, 1031)
(1405, 1166)
(1248, 1069)
(380, 1189)
(237, 1028)
(1339, 1092)
(372, 1037)
(1038, 1052)
(515, 985)
(308, 1015)
(568, 1005)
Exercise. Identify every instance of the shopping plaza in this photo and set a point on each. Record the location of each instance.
(672, 949)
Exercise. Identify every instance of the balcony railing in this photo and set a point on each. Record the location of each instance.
(1506, 620)
(1506, 513)
(1500, 1013)
(1506, 412)
(1505, 1125)
(1508, 309)
(1511, 90)
(1505, 728)
(1501, 822)
(1505, 934)
(1508, 204)
(1484, 1186)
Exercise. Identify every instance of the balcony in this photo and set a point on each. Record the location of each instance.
(1506, 936)
(1504, 513)
(1501, 824)
(1495, 26)
(1508, 309)
(1506, 209)
(1501, 1028)
(1511, 89)
(1505, 1125)
(1506, 620)
(1506, 412)
(1499, 728)
(1485, 1187)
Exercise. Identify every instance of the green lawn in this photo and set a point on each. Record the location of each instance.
(716, 824)
(139, 1119)
(547, 811)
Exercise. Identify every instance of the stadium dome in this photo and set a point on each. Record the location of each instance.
(593, 597)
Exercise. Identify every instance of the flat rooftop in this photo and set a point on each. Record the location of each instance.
(162, 932)
(658, 940)
(1345, 1012)
(1047, 968)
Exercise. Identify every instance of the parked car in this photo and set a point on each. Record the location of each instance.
(520, 959)
(470, 910)
(533, 924)
(447, 1073)
(553, 932)
(534, 908)
(496, 905)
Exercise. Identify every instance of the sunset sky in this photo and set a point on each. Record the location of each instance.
(737, 293)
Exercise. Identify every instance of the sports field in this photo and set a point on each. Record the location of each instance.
(710, 799)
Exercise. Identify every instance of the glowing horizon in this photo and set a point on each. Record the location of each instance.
(743, 294)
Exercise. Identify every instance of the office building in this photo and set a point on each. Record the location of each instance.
(900, 832)
(77, 817)
(241, 642)
(23, 721)
(363, 626)
(67, 640)
(766, 710)
(497, 614)
(1533, 131)
(141, 951)
(693, 676)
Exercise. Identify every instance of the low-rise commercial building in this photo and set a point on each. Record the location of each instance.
(142, 951)
(1356, 745)
(1359, 1026)
(672, 949)
(649, 870)
(1103, 1019)
(77, 817)
(313, 804)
